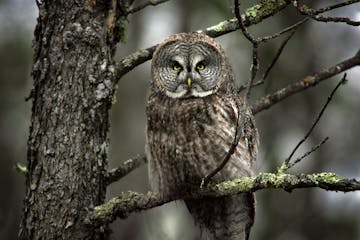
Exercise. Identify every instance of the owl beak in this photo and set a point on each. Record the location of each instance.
(189, 82)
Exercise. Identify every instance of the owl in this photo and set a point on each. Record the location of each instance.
(192, 113)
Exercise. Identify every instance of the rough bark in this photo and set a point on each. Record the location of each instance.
(67, 146)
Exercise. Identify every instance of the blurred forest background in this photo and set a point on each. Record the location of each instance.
(303, 214)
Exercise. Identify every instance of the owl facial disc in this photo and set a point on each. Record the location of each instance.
(185, 69)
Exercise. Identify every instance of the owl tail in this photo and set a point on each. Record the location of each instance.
(224, 218)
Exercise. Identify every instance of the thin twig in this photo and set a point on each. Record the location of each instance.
(343, 80)
(145, 4)
(309, 81)
(348, 21)
(255, 84)
(316, 147)
(277, 56)
(128, 166)
(253, 69)
(242, 27)
(255, 53)
(255, 41)
(291, 28)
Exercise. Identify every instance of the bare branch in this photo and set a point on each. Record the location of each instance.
(145, 4)
(128, 166)
(130, 202)
(291, 29)
(255, 84)
(332, 7)
(342, 81)
(314, 14)
(309, 81)
(253, 69)
(348, 21)
(255, 41)
(242, 27)
(278, 54)
(316, 147)
(255, 53)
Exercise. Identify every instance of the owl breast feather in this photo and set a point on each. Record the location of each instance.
(188, 138)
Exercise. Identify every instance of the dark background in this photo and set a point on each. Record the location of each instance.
(303, 214)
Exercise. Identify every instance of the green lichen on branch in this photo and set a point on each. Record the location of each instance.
(21, 168)
(231, 187)
(283, 168)
(253, 15)
(279, 180)
(122, 205)
(121, 33)
(326, 177)
(129, 202)
(220, 26)
(117, 205)
(258, 12)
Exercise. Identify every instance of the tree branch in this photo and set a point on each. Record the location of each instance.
(332, 7)
(314, 14)
(134, 9)
(279, 51)
(286, 165)
(313, 149)
(277, 55)
(252, 16)
(309, 81)
(128, 166)
(255, 46)
(130, 202)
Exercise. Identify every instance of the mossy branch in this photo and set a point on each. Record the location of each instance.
(130, 202)
(252, 15)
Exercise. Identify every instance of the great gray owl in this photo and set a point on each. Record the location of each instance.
(192, 114)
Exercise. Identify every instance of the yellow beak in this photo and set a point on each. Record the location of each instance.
(189, 82)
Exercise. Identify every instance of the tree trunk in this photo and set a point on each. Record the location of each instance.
(73, 89)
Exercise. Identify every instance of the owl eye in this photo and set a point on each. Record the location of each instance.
(200, 66)
(177, 67)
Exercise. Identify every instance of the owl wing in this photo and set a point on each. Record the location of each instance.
(249, 137)
(229, 217)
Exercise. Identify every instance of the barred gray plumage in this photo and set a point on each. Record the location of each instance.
(192, 113)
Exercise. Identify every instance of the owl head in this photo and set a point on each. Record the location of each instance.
(189, 65)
